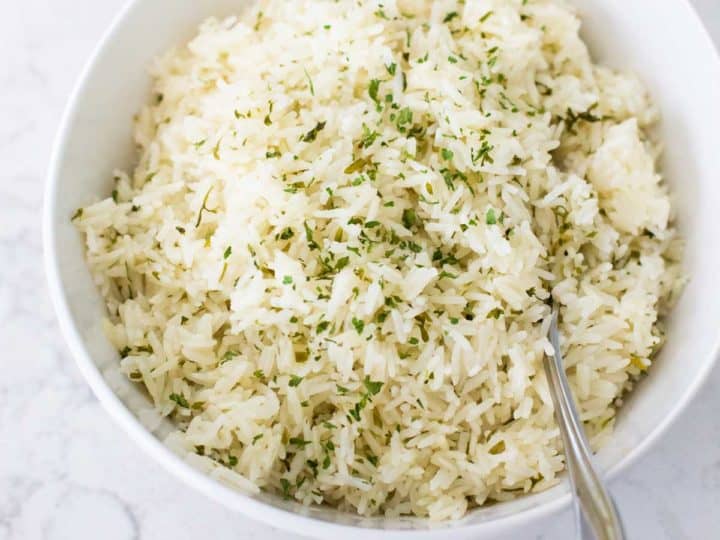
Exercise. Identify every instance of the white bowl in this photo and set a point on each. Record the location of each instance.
(661, 40)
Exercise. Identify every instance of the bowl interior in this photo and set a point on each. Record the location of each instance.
(676, 61)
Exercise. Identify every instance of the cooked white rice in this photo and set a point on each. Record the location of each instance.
(333, 262)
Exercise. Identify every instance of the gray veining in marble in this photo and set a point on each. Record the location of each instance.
(66, 471)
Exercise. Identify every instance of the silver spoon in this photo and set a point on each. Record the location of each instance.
(595, 513)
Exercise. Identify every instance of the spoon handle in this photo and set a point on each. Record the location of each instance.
(596, 515)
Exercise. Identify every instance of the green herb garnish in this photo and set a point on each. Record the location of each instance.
(373, 387)
(322, 326)
(299, 441)
(311, 135)
(495, 313)
(309, 236)
(404, 117)
(285, 484)
(409, 218)
(358, 325)
(180, 400)
(368, 137)
(490, 217)
(204, 207)
(356, 166)
(373, 90)
(310, 83)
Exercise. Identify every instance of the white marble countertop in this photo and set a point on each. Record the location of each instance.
(66, 470)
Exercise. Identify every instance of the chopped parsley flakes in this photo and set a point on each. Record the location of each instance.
(358, 324)
(311, 135)
(180, 400)
(490, 217)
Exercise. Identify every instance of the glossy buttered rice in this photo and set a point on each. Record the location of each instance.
(333, 262)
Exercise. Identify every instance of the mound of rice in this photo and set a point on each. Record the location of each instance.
(333, 262)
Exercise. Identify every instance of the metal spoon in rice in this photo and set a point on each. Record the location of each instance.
(595, 513)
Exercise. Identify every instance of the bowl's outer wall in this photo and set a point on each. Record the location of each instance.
(661, 40)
